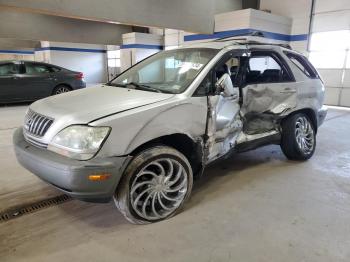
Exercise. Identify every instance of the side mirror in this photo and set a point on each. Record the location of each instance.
(224, 86)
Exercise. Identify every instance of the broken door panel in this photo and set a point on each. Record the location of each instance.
(264, 104)
(224, 123)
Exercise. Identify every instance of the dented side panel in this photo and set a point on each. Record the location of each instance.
(264, 104)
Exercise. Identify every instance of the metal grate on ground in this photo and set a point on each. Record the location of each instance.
(16, 212)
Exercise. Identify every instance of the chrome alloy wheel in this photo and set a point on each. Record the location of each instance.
(62, 89)
(304, 134)
(159, 188)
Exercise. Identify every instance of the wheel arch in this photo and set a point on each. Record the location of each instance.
(62, 84)
(309, 112)
(190, 148)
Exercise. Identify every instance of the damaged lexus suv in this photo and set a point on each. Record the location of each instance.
(143, 137)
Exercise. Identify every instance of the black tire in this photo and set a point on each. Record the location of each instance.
(136, 168)
(60, 89)
(289, 142)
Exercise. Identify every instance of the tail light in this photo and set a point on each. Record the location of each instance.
(79, 76)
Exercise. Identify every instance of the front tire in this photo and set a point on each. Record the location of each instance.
(298, 137)
(155, 185)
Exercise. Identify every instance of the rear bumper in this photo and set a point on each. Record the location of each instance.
(321, 115)
(69, 175)
(79, 84)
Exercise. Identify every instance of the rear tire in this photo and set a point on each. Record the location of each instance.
(60, 89)
(155, 185)
(298, 137)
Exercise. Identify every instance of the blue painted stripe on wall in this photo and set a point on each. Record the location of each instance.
(228, 33)
(301, 37)
(21, 52)
(158, 47)
(71, 49)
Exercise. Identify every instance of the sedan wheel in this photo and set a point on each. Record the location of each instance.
(155, 185)
(61, 89)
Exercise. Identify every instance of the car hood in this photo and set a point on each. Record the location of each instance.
(85, 105)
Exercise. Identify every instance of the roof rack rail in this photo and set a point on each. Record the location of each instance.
(254, 33)
(261, 43)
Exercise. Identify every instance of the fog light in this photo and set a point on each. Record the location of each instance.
(99, 177)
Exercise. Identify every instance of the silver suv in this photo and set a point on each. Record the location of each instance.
(143, 137)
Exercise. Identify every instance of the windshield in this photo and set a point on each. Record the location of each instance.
(167, 72)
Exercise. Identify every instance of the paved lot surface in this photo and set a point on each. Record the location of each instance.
(256, 206)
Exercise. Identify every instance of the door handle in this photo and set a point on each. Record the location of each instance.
(288, 91)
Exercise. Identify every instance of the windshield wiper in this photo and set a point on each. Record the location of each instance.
(144, 87)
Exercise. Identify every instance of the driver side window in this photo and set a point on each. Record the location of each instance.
(229, 65)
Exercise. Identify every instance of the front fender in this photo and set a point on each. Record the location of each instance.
(134, 128)
(187, 118)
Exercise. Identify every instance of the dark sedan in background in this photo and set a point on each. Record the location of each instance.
(30, 81)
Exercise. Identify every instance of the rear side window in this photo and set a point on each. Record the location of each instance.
(34, 69)
(303, 64)
(265, 69)
(55, 69)
(9, 69)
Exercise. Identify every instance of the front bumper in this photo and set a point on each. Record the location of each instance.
(321, 115)
(69, 175)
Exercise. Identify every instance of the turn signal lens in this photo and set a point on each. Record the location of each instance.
(99, 177)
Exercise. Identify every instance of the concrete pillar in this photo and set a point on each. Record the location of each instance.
(276, 28)
(138, 46)
(173, 38)
(299, 11)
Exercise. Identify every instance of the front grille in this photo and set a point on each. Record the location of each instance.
(34, 142)
(36, 124)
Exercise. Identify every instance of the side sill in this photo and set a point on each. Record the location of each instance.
(259, 142)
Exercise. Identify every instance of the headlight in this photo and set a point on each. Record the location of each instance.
(78, 141)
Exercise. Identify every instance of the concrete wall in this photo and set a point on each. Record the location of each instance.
(86, 58)
(15, 56)
(196, 16)
(13, 49)
(32, 26)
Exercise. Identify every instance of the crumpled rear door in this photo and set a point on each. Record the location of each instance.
(270, 92)
(264, 103)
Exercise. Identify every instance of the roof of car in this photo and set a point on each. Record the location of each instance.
(29, 61)
(238, 43)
